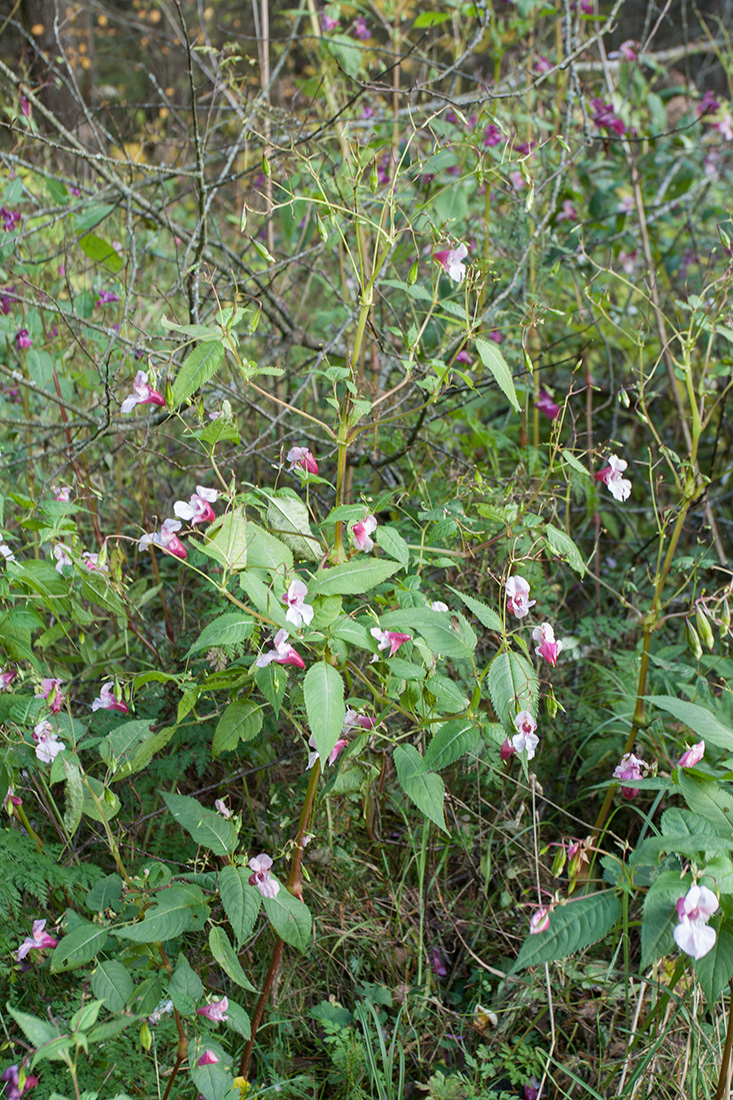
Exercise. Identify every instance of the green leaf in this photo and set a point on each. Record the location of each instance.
(430, 18)
(78, 947)
(423, 788)
(185, 987)
(352, 578)
(197, 369)
(228, 629)
(323, 691)
(109, 802)
(702, 723)
(392, 542)
(573, 926)
(86, 1017)
(289, 520)
(215, 1081)
(660, 916)
(105, 893)
(704, 796)
(446, 635)
(715, 970)
(485, 614)
(240, 900)
(207, 827)
(100, 251)
(57, 1050)
(239, 722)
(73, 795)
(167, 918)
(449, 743)
(562, 545)
(37, 1032)
(238, 1020)
(120, 746)
(223, 952)
(495, 362)
(146, 752)
(111, 982)
(512, 683)
(290, 918)
(448, 696)
(680, 822)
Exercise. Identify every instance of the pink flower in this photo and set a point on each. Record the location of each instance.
(451, 260)
(199, 509)
(692, 756)
(39, 941)
(166, 539)
(332, 756)
(542, 64)
(496, 336)
(437, 963)
(328, 23)
(548, 647)
(221, 808)
(6, 679)
(216, 1011)
(605, 118)
(627, 260)
(464, 357)
(61, 493)
(48, 745)
(208, 1058)
(618, 486)
(525, 737)
(539, 921)
(507, 750)
(298, 611)
(361, 531)
(708, 105)
(361, 30)
(12, 1078)
(389, 639)
(303, 459)
(105, 297)
(92, 562)
(142, 394)
(23, 340)
(51, 690)
(695, 909)
(724, 126)
(492, 136)
(630, 768)
(107, 700)
(547, 406)
(517, 596)
(625, 52)
(282, 654)
(10, 220)
(532, 1086)
(260, 866)
(61, 553)
(354, 719)
(568, 212)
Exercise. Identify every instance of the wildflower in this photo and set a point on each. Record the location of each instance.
(625, 52)
(6, 552)
(92, 562)
(165, 1006)
(361, 531)
(542, 64)
(6, 678)
(361, 30)
(143, 394)
(692, 756)
(586, 6)
(546, 405)
(302, 458)
(548, 647)
(692, 935)
(389, 639)
(539, 921)
(517, 593)
(208, 1058)
(23, 340)
(605, 118)
(39, 941)
(221, 808)
(61, 553)
(451, 260)
(260, 866)
(492, 136)
(464, 357)
(532, 1085)
(496, 336)
(105, 297)
(12, 1078)
(107, 700)
(618, 486)
(298, 611)
(708, 105)
(216, 1011)
(629, 768)
(10, 218)
(724, 126)
(328, 24)
(282, 654)
(437, 963)
(507, 750)
(6, 300)
(199, 509)
(525, 737)
(48, 745)
(166, 539)
(438, 605)
(51, 691)
(627, 261)
(353, 718)
(332, 756)
(568, 212)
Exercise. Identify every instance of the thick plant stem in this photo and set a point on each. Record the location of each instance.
(723, 1090)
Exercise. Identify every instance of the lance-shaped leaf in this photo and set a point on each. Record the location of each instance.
(323, 691)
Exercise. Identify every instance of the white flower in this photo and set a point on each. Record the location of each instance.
(692, 935)
(298, 611)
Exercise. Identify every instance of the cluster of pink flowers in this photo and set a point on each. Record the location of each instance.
(196, 510)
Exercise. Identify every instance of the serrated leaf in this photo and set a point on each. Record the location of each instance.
(290, 918)
(323, 692)
(495, 362)
(111, 982)
(512, 683)
(352, 578)
(78, 947)
(105, 893)
(38, 1032)
(573, 926)
(392, 542)
(167, 918)
(207, 827)
(289, 520)
(704, 796)
(227, 629)
(197, 369)
(239, 722)
(120, 746)
(562, 545)
(422, 787)
(485, 614)
(185, 986)
(214, 1081)
(240, 900)
(73, 795)
(109, 803)
(715, 970)
(446, 635)
(238, 1020)
(704, 724)
(449, 743)
(660, 916)
(679, 822)
(223, 952)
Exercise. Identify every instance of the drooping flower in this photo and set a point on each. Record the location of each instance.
(23, 340)
(692, 935)
(724, 125)
(105, 297)
(525, 737)
(692, 756)
(6, 679)
(492, 136)
(333, 756)
(221, 808)
(625, 52)
(142, 394)
(166, 539)
(464, 357)
(107, 700)
(539, 921)
(6, 300)
(261, 878)
(161, 1009)
(61, 553)
(568, 212)
(6, 552)
(10, 218)
(437, 963)
(353, 719)
(438, 605)
(62, 492)
(605, 118)
(546, 405)
(15, 1091)
(328, 23)
(361, 531)
(298, 611)
(630, 768)
(282, 653)
(51, 691)
(451, 260)
(618, 486)
(361, 30)
(92, 562)
(216, 1011)
(208, 1058)
(389, 639)
(302, 458)
(198, 509)
(707, 105)
(548, 647)
(517, 596)
(39, 941)
(48, 745)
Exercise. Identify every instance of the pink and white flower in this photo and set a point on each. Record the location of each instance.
(166, 539)
(61, 553)
(302, 458)
(451, 260)
(361, 531)
(6, 678)
(630, 768)
(92, 563)
(548, 647)
(333, 756)
(11, 1076)
(692, 756)
(221, 808)
(525, 737)
(517, 596)
(568, 212)
(208, 1058)
(282, 653)
(389, 639)
(539, 921)
(142, 394)
(353, 719)
(216, 1011)
(39, 941)
(198, 509)
(692, 935)
(260, 866)
(618, 486)
(48, 745)
(62, 493)
(107, 700)
(51, 691)
(298, 611)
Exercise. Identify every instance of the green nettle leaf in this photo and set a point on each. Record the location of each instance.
(120, 746)
(573, 926)
(239, 722)
(449, 743)
(323, 691)
(702, 723)
(290, 918)
(392, 542)
(207, 827)
(704, 796)
(715, 970)
(352, 578)
(660, 916)
(185, 987)
(78, 947)
(512, 683)
(167, 918)
(446, 634)
(38, 1032)
(197, 369)
(223, 952)
(73, 795)
(105, 893)
(240, 900)
(680, 822)
(288, 517)
(562, 545)
(228, 629)
(494, 361)
(485, 614)
(111, 982)
(226, 540)
(422, 787)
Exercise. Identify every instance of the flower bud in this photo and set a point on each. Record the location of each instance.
(146, 1037)
(725, 619)
(551, 704)
(322, 228)
(412, 274)
(558, 863)
(693, 640)
(373, 177)
(266, 167)
(704, 628)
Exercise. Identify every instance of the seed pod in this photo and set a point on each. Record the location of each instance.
(558, 862)
(725, 619)
(412, 274)
(266, 166)
(146, 1038)
(704, 628)
(693, 640)
(551, 704)
(322, 228)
